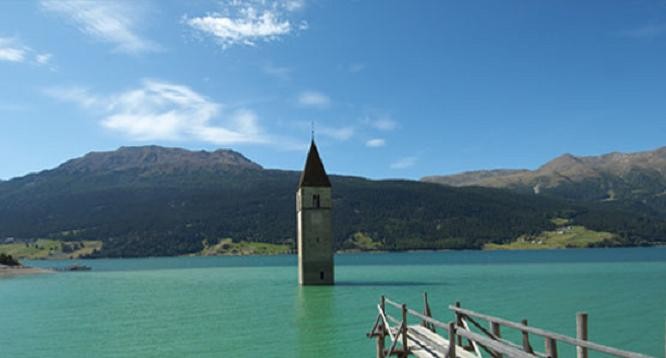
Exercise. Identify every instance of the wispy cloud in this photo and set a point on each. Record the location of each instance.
(13, 50)
(375, 143)
(404, 163)
(283, 73)
(248, 22)
(341, 133)
(78, 95)
(314, 99)
(648, 31)
(159, 110)
(114, 22)
(293, 5)
(43, 58)
(381, 122)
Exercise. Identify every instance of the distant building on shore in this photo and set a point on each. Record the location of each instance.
(315, 234)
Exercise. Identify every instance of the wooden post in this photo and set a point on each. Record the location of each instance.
(427, 312)
(380, 344)
(526, 339)
(495, 328)
(551, 348)
(459, 323)
(381, 335)
(581, 333)
(452, 340)
(405, 348)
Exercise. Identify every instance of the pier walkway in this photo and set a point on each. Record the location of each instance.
(471, 335)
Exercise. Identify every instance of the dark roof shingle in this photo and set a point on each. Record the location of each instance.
(314, 173)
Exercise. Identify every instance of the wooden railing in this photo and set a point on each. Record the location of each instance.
(486, 337)
(550, 338)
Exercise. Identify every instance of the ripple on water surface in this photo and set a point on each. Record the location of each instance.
(251, 306)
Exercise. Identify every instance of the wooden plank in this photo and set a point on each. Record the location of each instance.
(544, 333)
(394, 304)
(393, 320)
(520, 347)
(387, 326)
(395, 342)
(474, 344)
(494, 345)
(430, 320)
(424, 343)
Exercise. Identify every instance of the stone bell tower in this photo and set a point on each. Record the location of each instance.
(315, 235)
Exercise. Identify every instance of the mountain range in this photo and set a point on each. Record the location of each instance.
(636, 179)
(156, 201)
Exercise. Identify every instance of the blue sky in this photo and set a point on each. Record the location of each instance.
(396, 89)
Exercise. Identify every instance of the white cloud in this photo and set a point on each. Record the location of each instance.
(384, 124)
(246, 30)
(160, 110)
(78, 95)
(43, 58)
(107, 21)
(13, 50)
(375, 143)
(248, 22)
(314, 99)
(404, 163)
(294, 5)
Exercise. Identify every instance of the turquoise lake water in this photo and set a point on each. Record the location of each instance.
(253, 307)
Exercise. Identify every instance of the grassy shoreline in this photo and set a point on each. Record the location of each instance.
(575, 237)
(41, 249)
(21, 271)
(566, 237)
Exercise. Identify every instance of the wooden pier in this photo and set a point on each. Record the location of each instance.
(471, 335)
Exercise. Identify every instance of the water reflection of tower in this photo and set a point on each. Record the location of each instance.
(316, 323)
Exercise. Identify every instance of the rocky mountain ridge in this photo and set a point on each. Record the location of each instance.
(637, 176)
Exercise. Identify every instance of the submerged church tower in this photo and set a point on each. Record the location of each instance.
(315, 234)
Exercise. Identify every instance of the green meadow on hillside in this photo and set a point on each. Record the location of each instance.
(229, 247)
(50, 249)
(561, 238)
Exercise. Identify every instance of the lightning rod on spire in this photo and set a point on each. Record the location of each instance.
(313, 131)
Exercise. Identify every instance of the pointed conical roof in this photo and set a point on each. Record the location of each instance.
(314, 173)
